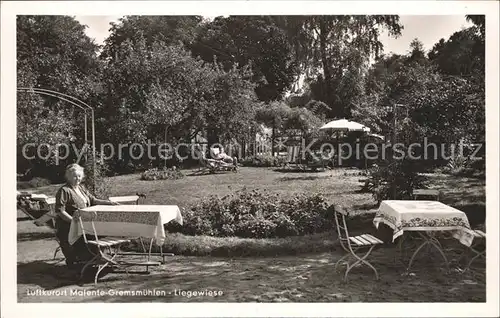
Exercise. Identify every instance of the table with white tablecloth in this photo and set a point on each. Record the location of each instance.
(427, 218)
(125, 221)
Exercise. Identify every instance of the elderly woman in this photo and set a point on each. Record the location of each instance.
(71, 197)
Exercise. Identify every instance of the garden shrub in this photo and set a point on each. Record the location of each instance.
(395, 180)
(162, 174)
(256, 214)
(255, 228)
(264, 161)
(97, 184)
(36, 182)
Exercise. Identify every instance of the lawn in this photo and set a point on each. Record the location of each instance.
(340, 186)
(305, 277)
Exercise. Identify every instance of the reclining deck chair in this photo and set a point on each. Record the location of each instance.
(213, 165)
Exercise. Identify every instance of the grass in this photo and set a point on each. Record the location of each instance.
(332, 184)
(339, 186)
(202, 245)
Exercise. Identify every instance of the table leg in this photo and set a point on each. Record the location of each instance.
(430, 241)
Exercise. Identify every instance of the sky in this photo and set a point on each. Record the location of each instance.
(429, 29)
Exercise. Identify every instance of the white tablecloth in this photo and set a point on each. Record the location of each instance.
(415, 215)
(125, 221)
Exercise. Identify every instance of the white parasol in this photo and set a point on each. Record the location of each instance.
(344, 125)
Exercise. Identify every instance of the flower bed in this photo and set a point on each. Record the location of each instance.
(162, 174)
(263, 161)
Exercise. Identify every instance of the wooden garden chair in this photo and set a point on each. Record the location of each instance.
(134, 199)
(427, 194)
(353, 245)
(293, 155)
(479, 239)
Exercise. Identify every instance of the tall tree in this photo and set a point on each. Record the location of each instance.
(171, 30)
(58, 54)
(417, 52)
(442, 108)
(462, 54)
(254, 41)
(329, 45)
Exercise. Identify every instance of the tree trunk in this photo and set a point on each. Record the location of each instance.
(272, 141)
(212, 137)
(325, 62)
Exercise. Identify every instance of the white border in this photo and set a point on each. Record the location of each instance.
(9, 9)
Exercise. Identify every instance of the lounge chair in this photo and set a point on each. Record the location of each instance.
(213, 165)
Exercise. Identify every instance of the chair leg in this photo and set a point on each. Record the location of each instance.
(341, 259)
(55, 252)
(362, 260)
(463, 255)
(478, 255)
(91, 262)
(101, 267)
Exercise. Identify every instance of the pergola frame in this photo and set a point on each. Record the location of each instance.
(75, 102)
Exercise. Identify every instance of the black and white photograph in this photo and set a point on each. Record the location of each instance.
(252, 158)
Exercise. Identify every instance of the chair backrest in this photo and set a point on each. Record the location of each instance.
(86, 217)
(215, 152)
(340, 215)
(129, 199)
(428, 194)
(292, 153)
(201, 155)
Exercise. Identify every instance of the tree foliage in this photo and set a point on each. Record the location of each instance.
(333, 52)
(444, 108)
(254, 41)
(150, 89)
(461, 55)
(54, 53)
(173, 77)
(171, 30)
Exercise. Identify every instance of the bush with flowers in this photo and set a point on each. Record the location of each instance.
(255, 214)
(162, 174)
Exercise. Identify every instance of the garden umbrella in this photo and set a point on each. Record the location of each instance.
(344, 125)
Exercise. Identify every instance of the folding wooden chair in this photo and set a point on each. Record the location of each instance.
(479, 239)
(352, 245)
(104, 250)
(293, 155)
(427, 193)
(134, 199)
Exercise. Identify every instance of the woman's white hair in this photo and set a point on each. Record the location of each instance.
(74, 167)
